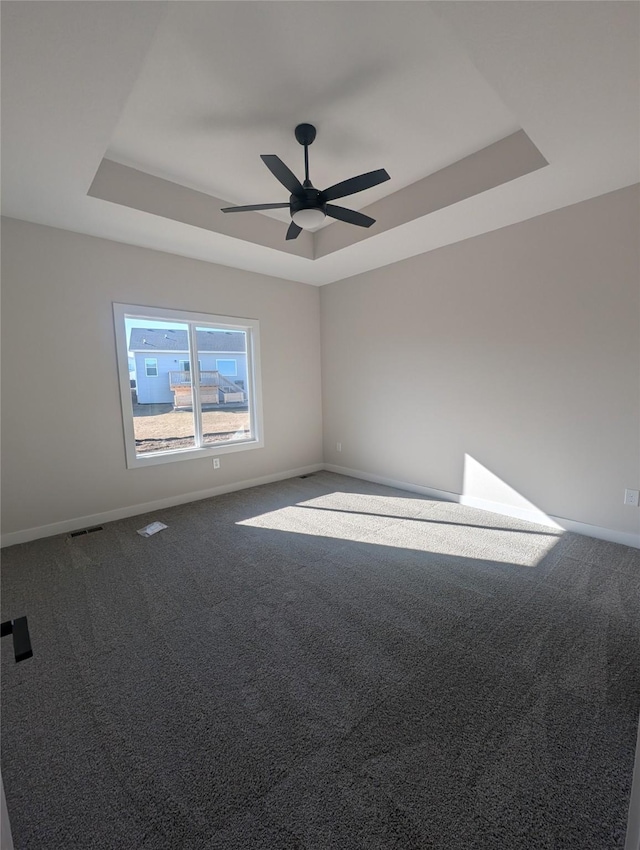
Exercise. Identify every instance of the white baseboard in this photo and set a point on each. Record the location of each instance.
(445, 495)
(12, 538)
(528, 514)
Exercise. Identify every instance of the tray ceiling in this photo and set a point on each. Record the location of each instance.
(176, 101)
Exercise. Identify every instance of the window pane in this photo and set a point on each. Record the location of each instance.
(187, 384)
(151, 367)
(162, 404)
(227, 367)
(224, 401)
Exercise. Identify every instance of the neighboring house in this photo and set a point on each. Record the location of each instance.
(162, 364)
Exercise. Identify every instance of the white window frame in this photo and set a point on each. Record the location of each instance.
(227, 360)
(252, 329)
(148, 360)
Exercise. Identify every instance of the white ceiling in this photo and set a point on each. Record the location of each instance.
(195, 92)
(205, 105)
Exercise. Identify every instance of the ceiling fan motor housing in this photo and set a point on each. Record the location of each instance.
(309, 201)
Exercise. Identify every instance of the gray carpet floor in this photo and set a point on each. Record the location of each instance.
(322, 663)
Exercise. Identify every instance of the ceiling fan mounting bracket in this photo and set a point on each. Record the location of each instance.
(305, 133)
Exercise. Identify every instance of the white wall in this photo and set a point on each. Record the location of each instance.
(62, 443)
(507, 362)
(504, 368)
(6, 838)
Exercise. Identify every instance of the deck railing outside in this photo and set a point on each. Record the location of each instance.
(180, 383)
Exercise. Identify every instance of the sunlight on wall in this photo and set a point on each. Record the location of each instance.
(482, 488)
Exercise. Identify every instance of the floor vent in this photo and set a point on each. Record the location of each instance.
(86, 531)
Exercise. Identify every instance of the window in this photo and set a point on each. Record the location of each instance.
(183, 415)
(151, 367)
(185, 365)
(227, 367)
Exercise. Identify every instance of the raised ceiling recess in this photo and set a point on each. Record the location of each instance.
(139, 122)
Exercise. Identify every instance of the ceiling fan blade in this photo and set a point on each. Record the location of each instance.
(294, 231)
(282, 173)
(350, 216)
(355, 184)
(251, 207)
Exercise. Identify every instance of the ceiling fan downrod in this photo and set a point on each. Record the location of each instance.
(305, 134)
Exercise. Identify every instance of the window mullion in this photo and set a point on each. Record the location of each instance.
(195, 384)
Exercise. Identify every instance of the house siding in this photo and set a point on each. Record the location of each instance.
(157, 390)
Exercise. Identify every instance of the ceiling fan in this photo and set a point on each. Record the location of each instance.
(309, 206)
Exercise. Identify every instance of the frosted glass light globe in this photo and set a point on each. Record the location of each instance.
(308, 218)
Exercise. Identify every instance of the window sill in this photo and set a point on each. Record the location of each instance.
(175, 455)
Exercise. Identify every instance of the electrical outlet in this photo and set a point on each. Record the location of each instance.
(338, 447)
(216, 463)
(632, 497)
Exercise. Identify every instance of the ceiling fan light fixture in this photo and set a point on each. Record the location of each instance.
(308, 217)
(308, 206)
